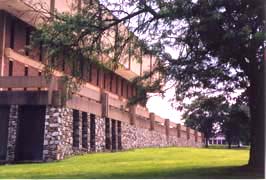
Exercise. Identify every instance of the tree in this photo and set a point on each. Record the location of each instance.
(204, 113)
(219, 44)
(236, 126)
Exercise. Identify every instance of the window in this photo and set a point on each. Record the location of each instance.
(104, 80)
(113, 135)
(107, 134)
(28, 31)
(111, 81)
(75, 128)
(98, 77)
(117, 84)
(119, 135)
(84, 130)
(122, 87)
(10, 68)
(92, 132)
(90, 72)
(12, 34)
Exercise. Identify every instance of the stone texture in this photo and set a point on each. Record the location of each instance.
(100, 134)
(12, 132)
(134, 137)
(59, 128)
(58, 133)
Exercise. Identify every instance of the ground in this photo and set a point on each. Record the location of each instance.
(142, 163)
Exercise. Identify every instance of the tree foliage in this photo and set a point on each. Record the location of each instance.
(236, 126)
(204, 113)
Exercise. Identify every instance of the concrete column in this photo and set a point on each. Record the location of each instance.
(152, 119)
(105, 104)
(166, 124)
(132, 111)
(188, 133)
(178, 127)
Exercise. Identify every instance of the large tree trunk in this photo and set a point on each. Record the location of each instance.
(229, 144)
(256, 103)
(206, 142)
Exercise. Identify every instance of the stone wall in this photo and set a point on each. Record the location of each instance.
(60, 132)
(99, 134)
(135, 137)
(12, 133)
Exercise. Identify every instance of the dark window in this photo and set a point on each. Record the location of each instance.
(92, 132)
(90, 72)
(119, 135)
(41, 52)
(98, 77)
(122, 87)
(104, 80)
(76, 128)
(84, 130)
(28, 31)
(127, 91)
(117, 84)
(111, 81)
(215, 142)
(26, 72)
(113, 135)
(107, 134)
(10, 68)
(12, 34)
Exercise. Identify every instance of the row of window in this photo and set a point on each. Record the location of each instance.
(104, 79)
(219, 141)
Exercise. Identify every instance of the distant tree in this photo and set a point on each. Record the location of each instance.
(236, 126)
(203, 113)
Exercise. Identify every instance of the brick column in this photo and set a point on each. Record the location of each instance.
(166, 124)
(188, 133)
(178, 127)
(132, 114)
(152, 119)
(105, 104)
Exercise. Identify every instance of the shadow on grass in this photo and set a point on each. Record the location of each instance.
(242, 172)
(226, 147)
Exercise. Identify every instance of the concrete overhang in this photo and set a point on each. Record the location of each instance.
(126, 73)
(22, 11)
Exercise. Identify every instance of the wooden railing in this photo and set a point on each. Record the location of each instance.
(89, 98)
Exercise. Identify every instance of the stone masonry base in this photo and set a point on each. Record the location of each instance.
(66, 134)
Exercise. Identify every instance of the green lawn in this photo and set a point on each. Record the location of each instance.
(141, 163)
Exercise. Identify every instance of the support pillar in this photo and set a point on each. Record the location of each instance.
(178, 127)
(152, 119)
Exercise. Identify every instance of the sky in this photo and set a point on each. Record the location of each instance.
(162, 107)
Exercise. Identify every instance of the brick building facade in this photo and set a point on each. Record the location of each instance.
(35, 125)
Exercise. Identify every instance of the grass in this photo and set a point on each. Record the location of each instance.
(141, 163)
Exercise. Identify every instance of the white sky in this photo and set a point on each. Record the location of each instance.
(162, 106)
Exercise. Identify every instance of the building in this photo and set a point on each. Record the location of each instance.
(217, 139)
(36, 125)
